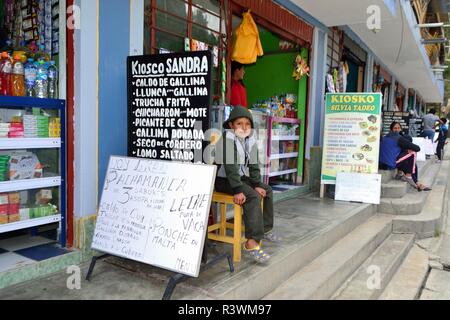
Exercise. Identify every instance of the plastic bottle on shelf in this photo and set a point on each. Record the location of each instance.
(18, 78)
(42, 54)
(8, 48)
(41, 85)
(5, 74)
(52, 81)
(30, 77)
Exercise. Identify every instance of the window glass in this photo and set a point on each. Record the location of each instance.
(205, 19)
(169, 42)
(204, 35)
(169, 23)
(210, 5)
(176, 7)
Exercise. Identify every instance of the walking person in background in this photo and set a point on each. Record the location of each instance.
(429, 124)
(441, 140)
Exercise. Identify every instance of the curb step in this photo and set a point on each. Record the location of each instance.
(394, 189)
(413, 202)
(386, 175)
(430, 220)
(407, 283)
(385, 260)
(325, 274)
(259, 281)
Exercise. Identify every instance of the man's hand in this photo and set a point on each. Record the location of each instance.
(239, 199)
(261, 192)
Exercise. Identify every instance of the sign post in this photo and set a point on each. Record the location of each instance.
(352, 135)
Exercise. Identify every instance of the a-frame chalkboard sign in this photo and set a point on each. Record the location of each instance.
(156, 212)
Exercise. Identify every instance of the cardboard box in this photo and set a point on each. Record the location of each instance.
(13, 218)
(14, 198)
(44, 196)
(24, 165)
(13, 208)
(3, 218)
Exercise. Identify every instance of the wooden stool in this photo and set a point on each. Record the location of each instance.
(223, 199)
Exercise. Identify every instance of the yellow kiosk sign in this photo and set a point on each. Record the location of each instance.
(352, 134)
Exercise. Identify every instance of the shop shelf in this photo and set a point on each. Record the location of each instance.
(282, 173)
(285, 120)
(285, 138)
(29, 143)
(20, 185)
(54, 179)
(284, 156)
(29, 223)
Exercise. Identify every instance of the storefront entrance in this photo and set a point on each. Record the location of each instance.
(181, 25)
(32, 127)
(277, 101)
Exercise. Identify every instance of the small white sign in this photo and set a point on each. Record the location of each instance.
(421, 155)
(429, 148)
(358, 187)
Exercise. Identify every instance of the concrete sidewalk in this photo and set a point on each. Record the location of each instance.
(309, 226)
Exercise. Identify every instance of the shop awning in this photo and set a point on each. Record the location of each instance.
(397, 45)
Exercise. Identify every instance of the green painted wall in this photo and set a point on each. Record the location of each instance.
(302, 107)
(272, 75)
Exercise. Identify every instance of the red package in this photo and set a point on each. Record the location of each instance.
(13, 208)
(4, 209)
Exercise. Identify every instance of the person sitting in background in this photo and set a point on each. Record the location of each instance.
(441, 140)
(396, 152)
(415, 175)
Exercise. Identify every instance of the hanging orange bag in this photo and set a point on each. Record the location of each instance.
(247, 46)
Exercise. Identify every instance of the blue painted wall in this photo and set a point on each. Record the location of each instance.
(320, 87)
(114, 44)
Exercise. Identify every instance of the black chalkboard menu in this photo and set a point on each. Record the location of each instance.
(391, 116)
(169, 98)
(415, 127)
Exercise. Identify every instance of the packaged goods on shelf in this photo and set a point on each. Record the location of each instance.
(24, 214)
(4, 168)
(13, 218)
(16, 130)
(23, 197)
(54, 128)
(42, 211)
(24, 165)
(283, 106)
(3, 218)
(4, 129)
(36, 126)
(4, 200)
(44, 196)
(14, 198)
(4, 208)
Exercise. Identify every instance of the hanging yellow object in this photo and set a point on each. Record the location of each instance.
(300, 68)
(247, 47)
